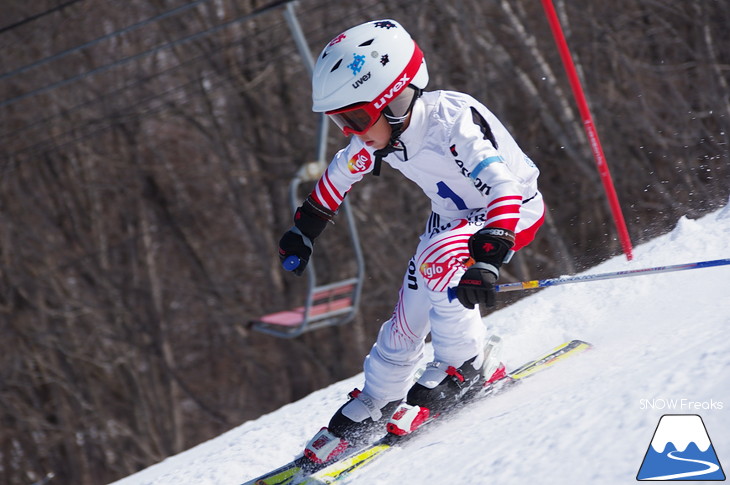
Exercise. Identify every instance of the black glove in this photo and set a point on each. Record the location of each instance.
(309, 221)
(294, 243)
(477, 285)
(488, 247)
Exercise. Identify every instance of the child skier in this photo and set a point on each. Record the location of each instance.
(485, 206)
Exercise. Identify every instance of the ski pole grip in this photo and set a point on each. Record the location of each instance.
(291, 263)
(451, 290)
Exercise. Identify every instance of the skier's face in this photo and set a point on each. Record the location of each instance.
(378, 136)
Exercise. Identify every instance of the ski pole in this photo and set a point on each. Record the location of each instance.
(291, 263)
(530, 285)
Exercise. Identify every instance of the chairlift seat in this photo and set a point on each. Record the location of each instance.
(328, 305)
(325, 305)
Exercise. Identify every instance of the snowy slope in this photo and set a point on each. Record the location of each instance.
(659, 339)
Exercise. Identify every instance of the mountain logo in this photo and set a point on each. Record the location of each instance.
(680, 450)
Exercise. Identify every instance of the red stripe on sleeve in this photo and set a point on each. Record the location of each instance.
(516, 198)
(502, 210)
(326, 194)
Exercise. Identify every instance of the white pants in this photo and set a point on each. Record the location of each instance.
(457, 333)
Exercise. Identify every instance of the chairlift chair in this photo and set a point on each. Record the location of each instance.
(333, 303)
(326, 305)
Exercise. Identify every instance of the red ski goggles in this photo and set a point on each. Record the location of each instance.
(355, 120)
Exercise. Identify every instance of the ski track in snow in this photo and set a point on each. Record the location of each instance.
(656, 337)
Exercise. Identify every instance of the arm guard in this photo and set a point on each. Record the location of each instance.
(490, 246)
(311, 218)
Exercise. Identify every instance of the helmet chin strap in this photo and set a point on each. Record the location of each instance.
(396, 129)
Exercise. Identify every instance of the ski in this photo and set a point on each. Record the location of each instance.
(303, 471)
(283, 475)
(548, 360)
(343, 468)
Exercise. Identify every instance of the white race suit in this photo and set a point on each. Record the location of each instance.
(476, 175)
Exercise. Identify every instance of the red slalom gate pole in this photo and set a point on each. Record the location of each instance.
(589, 127)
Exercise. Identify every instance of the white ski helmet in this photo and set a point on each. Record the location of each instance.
(365, 69)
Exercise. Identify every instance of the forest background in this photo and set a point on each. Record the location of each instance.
(146, 151)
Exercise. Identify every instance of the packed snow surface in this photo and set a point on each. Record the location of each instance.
(662, 346)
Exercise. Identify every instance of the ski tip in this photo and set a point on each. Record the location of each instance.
(559, 353)
(583, 343)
